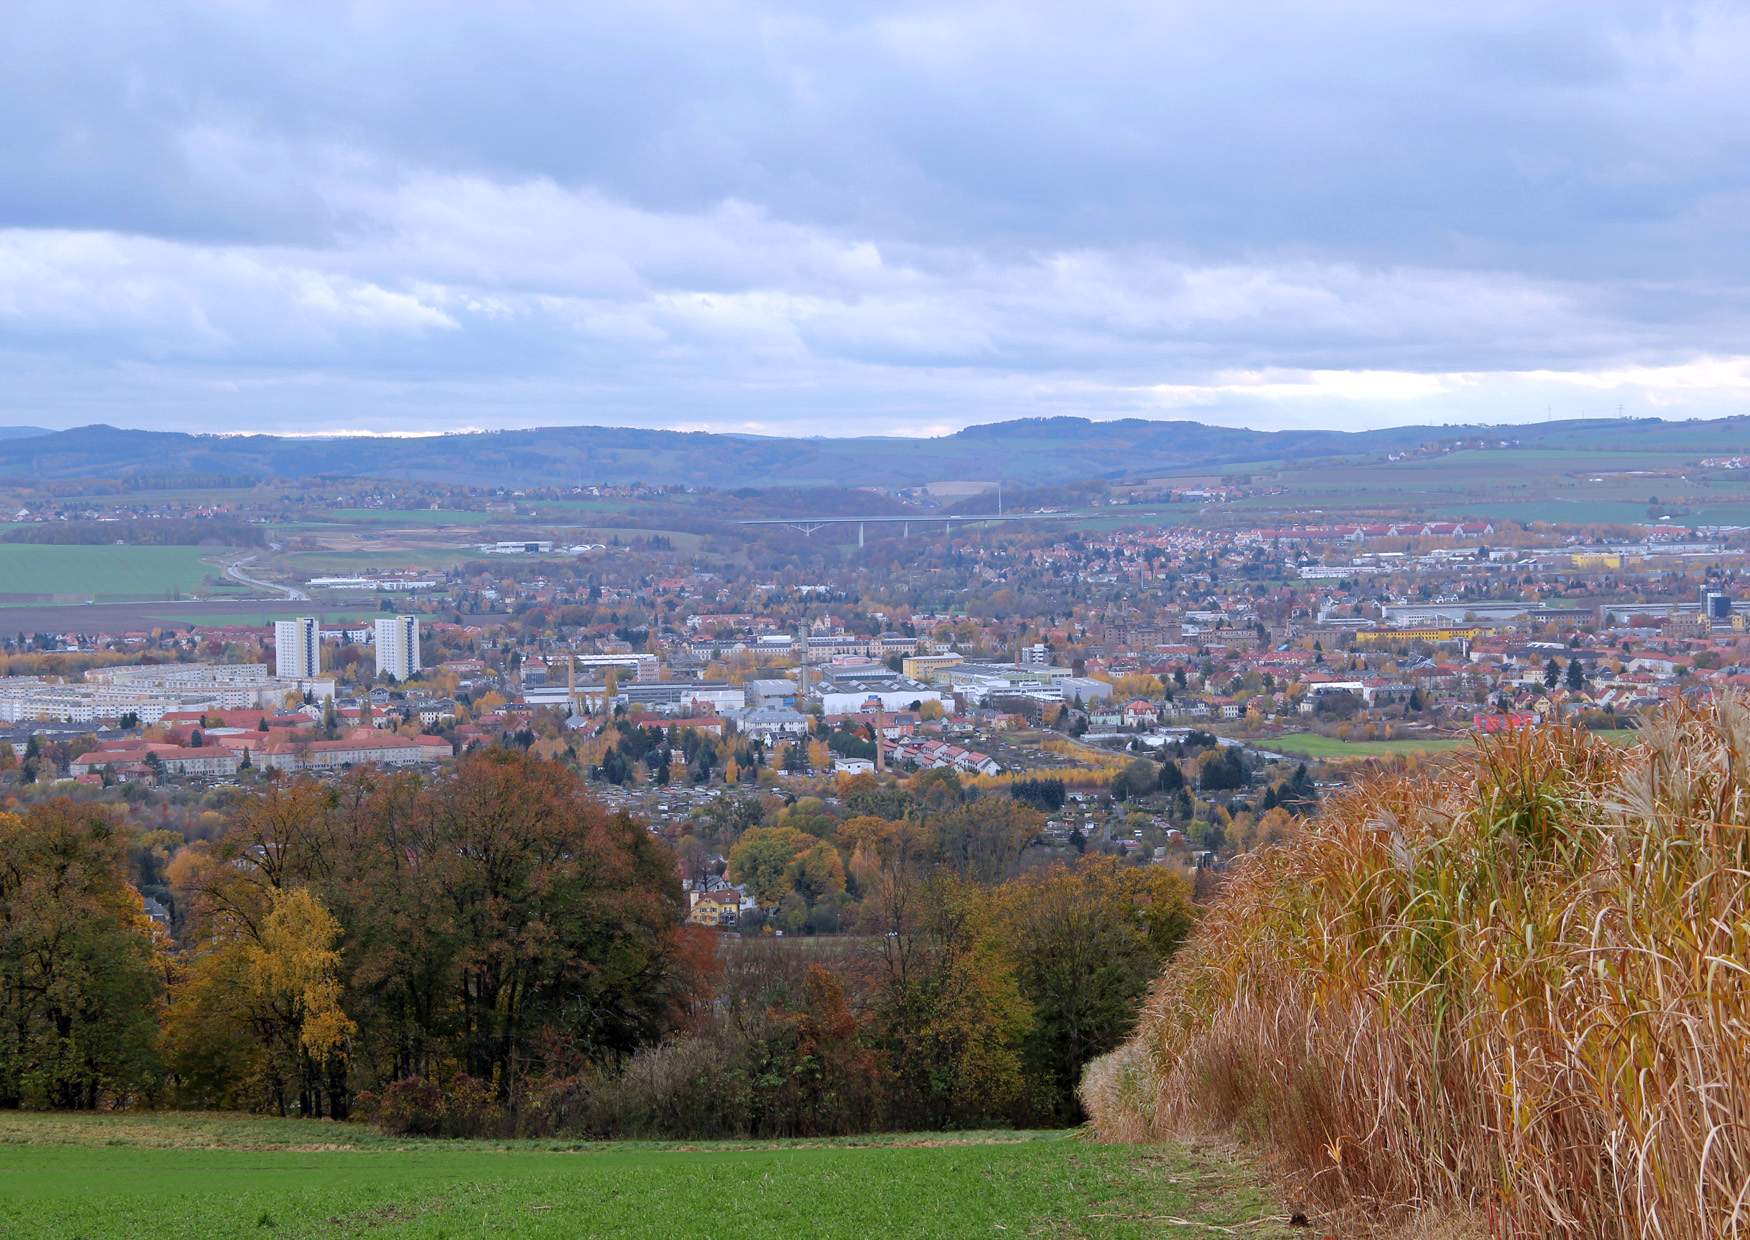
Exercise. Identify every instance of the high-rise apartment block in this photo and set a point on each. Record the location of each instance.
(297, 648)
(398, 646)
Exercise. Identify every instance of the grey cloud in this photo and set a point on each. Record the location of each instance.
(784, 213)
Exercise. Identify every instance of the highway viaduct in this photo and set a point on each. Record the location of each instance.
(807, 525)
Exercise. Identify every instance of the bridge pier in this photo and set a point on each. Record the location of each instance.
(859, 535)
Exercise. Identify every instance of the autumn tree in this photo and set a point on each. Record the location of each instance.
(1138, 778)
(949, 1013)
(492, 918)
(933, 792)
(761, 858)
(554, 919)
(1084, 945)
(81, 966)
(816, 872)
(983, 840)
(811, 1073)
(257, 1019)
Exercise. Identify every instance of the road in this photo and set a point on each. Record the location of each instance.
(234, 571)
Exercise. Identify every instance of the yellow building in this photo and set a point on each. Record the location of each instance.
(716, 908)
(926, 667)
(1388, 637)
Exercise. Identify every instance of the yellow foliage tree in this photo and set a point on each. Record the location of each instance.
(817, 872)
(258, 1007)
(551, 748)
(296, 967)
(1138, 685)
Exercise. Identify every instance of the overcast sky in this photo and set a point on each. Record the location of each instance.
(849, 218)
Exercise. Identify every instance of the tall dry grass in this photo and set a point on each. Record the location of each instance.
(1518, 986)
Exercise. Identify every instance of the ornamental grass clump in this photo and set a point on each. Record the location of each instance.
(1517, 985)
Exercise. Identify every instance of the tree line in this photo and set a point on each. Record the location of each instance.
(141, 532)
(489, 950)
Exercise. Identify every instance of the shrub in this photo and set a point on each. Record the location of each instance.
(458, 1106)
(684, 1087)
(1518, 985)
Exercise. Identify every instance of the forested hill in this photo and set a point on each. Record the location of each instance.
(1035, 450)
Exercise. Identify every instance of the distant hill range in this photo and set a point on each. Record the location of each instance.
(1032, 450)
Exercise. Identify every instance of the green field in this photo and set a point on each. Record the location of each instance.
(102, 572)
(1562, 486)
(1312, 745)
(413, 516)
(350, 563)
(211, 1176)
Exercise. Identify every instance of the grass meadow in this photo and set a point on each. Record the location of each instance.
(208, 1176)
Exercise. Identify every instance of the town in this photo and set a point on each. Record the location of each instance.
(1168, 695)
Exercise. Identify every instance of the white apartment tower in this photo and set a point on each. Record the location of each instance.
(398, 646)
(297, 648)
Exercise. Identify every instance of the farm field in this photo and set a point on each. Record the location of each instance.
(101, 572)
(213, 1176)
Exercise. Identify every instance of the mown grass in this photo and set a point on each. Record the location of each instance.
(1516, 988)
(213, 1176)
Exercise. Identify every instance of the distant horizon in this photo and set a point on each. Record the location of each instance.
(8, 431)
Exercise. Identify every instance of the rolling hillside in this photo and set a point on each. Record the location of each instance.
(1040, 450)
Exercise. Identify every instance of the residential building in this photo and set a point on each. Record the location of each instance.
(364, 746)
(398, 646)
(297, 648)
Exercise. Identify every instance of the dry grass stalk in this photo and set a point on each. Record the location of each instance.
(1519, 987)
